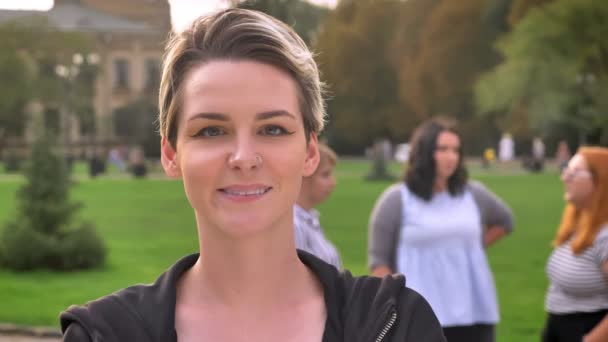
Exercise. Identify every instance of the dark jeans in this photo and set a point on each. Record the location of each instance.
(571, 327)
(470, 333)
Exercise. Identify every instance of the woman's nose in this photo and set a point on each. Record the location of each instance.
(244, 156)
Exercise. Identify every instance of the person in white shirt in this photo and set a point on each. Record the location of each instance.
(506, 148)
(315, 190)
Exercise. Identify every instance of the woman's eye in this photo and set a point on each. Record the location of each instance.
(447, 148)
(274, 131)
(211, 131)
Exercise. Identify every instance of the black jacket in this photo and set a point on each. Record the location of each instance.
(365, 309)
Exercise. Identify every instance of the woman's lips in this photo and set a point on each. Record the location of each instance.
(247, 193)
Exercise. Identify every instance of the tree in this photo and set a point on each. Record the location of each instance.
(519, 9)
(354, 54)
(303, 16)
(406, 45)
(438, 72)
(45, 234)
(15, 87)
(136, 122)
(555, 69)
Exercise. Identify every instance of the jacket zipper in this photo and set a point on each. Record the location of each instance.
(387, 327)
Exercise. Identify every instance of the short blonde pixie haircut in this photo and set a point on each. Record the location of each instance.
(239, 34)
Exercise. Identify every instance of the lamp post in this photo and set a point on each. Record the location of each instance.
(69, 73)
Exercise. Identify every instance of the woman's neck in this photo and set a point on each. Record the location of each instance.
(304, 201)
(258, 271)
(440, 185)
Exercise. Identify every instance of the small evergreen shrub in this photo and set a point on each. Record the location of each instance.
(44, 234)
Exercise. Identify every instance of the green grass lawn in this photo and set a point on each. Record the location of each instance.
(148, 225)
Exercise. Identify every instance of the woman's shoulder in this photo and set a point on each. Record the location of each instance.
(602, 235)
(386, 305)
(118, 316)
(393, 193)
(134, 313)
(475, 186)
(394, 189)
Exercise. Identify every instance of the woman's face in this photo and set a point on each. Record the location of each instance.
(241, 147)
(578, 182)
(320, 185)
(447, 154)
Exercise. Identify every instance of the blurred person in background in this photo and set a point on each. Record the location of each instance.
(240, 109)
(562, 155)
(137, 162)
(538, 153)
(116, 158)
(315, 190)
(488, 157)
(577, 298)
(434, 227)
(506, 148)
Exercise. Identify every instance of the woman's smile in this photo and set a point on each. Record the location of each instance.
(245, 193)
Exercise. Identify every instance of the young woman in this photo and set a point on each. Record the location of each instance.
(434, 228)
(240, 110)
(577, 299)
(315, 190)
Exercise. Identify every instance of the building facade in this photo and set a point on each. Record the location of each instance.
(128, 38)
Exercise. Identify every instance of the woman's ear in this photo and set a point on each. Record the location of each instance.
(168, 157)
(312, 156)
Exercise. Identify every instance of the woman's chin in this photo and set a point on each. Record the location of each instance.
(243, 226)
(572, 200)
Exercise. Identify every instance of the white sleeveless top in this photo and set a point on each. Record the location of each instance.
(441, 253)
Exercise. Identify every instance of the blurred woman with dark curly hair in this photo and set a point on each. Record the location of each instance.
(434, 227)
(577, 299)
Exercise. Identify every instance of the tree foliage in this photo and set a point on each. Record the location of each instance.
(391, 64)
(45, 233)
(555, 68)
(15, 87)
(303, 16)
(136, 123)
(354, 53)
(519, 9)
(455, 48)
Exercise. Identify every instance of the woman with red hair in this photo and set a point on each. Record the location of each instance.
(577, 299)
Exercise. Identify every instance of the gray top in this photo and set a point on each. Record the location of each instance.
(385, 220)
(576, 282)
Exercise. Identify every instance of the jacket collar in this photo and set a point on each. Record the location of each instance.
(161, 296)
(353, 304)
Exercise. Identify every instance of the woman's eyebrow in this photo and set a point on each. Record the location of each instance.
(273, 114)
(210, 116)
(260, 116)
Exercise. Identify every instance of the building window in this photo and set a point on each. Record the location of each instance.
(87, 121)
(152, 66)
(121, 73)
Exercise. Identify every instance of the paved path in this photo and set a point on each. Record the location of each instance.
(27, 339)
(15, 333)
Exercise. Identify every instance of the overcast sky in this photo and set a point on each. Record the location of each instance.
(182, 11)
